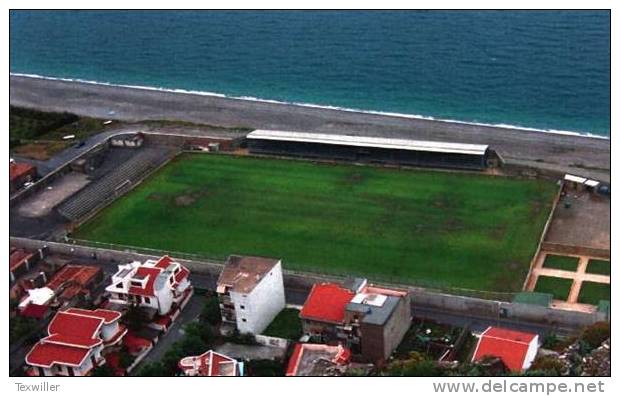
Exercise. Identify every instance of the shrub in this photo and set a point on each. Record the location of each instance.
(416, 365)
(103, 371)
(153, 370)
(211, 311)
(265, 368)
(595, 334)
(549, 365)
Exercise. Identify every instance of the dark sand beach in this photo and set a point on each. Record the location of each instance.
(590, 157)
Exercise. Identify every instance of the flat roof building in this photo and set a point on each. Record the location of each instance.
(316, 360)
(370, 320)
(251, 292)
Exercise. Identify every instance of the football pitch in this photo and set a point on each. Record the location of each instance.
(437, 229)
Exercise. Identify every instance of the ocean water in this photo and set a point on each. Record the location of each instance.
(547, 70)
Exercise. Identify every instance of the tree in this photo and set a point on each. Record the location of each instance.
(103, 371)
(152, 370)
(594, 335)
(135, 318)
(211, 311)
(549, 365)
(415, 365)
(265, 368)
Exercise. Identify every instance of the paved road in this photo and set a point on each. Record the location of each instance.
(175, 332)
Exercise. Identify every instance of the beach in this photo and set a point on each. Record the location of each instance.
(578, 154)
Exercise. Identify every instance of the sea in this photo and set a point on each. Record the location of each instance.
(541, 70)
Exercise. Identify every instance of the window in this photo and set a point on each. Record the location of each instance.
(171, 280)
(147, 300)
(119, 285)
(244, 320)
(242, 306)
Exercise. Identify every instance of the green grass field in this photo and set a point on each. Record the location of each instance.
(561, 262)
(592, 293)
(559, 287)
(286, 325)
(601, 267)
(422, 227)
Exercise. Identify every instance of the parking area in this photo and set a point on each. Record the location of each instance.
(40, 204)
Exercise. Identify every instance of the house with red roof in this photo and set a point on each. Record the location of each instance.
(211, 364)
(75, 343)
(161, 285)
(20, 262)
(19, 174)
(251, 292)
(317, 360)
(368, 319)
(72, 281)
(516, 349)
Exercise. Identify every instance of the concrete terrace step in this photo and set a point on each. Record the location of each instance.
(113, 184)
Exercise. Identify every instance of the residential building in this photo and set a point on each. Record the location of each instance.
(516, 349)
(20, 262)
(251, 292)
(211, 364)
(19, 174)
(76, 341)
(73, 281)
(317, 360)
(370, 320)
(159, 285)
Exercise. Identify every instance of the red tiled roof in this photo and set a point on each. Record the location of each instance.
(81, 275)
(69, 324)
(105, 314)
(163, 262)
(17, 258)
(182, 274)
(209, 364)
(34, 311)
(73, 340)
(148, 289)
(293, 362)
(44, 354)
(509, 345)
(134, 343)
(72, 335)
(326, 303)
(18, 169)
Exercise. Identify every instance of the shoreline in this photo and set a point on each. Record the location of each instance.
(569, 153)
(309, 105)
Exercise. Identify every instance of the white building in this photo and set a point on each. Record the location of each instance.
(251, 292)
(157, 284)
(211, 364)
(76, 340)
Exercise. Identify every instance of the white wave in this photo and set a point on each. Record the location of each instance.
(313, 105)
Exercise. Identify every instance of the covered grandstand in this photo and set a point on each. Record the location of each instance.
(370, 149)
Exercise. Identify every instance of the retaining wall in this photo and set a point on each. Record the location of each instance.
(575, 250)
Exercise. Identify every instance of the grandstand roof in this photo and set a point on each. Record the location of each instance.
(366, 141)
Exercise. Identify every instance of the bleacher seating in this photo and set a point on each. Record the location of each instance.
(112, 184)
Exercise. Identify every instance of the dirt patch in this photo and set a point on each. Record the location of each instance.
(189, 197)
(156, 197)
(184, 200)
